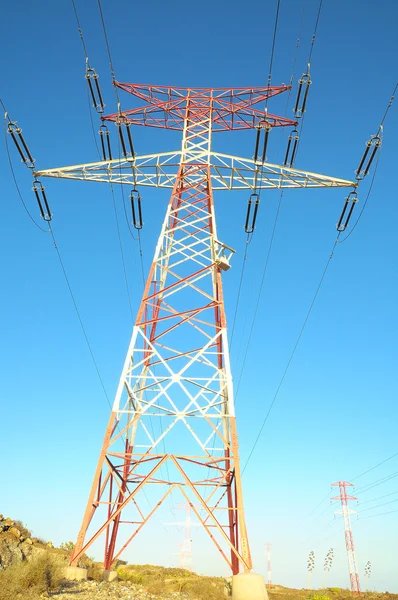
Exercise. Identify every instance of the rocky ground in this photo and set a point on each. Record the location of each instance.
(93, 590)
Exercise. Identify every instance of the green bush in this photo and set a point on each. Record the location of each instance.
(29, 580)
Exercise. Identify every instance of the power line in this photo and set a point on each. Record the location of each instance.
(292, 353)
(79, 316)
(272, 50)
(379, 514)
(378, 482)
(375, 467)
(109, 54)
(315, 30)
(121, 251)
(80, 32)
(259, 294)
(378, 506)
(378, 498)
(239, 290)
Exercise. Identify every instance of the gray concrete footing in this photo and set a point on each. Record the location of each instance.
(75, 573)
(248, 586)
(109, 576)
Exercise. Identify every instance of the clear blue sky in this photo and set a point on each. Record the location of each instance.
(336, 413)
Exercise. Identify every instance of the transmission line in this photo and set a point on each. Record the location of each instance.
(379, 498)
(389, 512)
(376, 483)
(375, 467)
(293, 352)
(378, 506)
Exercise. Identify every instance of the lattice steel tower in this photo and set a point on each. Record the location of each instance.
(349, 539)
(176, 384)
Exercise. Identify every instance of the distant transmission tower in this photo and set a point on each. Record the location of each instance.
(185, 552)
(368, 569)
(349, 539)
(177, 367)
(269, 579)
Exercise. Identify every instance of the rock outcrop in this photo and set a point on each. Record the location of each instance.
(16, 545)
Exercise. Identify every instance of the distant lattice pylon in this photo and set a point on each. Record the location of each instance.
(269, 578)
(185, 552)
(349, 540)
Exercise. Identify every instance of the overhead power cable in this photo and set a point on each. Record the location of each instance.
(379, 498)
(315, 31)
(259, 294)
(292, 353)
(79, 317)
(109, 55)
(389, 512)
(375, 467)
(378, 506)
(376, 483)
(272, 50)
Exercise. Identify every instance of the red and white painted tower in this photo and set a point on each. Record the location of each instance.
(269, 579)
(349, 539)
(172, 427)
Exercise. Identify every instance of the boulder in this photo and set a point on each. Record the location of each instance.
(15, 532)
(7, 523)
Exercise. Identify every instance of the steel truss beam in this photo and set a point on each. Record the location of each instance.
(227, 172)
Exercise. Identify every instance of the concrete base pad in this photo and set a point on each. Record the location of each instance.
(109, 575)
(248, 586)
(75, 573)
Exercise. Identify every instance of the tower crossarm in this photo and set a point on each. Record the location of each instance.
(225, 117)
(241, 97)
(231, 108)
(227, 172)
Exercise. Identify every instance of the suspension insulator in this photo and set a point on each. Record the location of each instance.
(291, 155)
(95, 90)
(266, 127)
(373, 143)
(42, 200)
(300, 106)
(352, 199)
(258, 134)
(19, 141)
(130, 152)
(251, 214)
(136, 210)
(105, 142)
(266, 136)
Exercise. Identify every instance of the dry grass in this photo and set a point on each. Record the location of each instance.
(28, 580)
(162, 580)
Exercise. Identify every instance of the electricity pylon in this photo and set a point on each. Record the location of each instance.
(176, 383)
(349, 539)
(269, 578)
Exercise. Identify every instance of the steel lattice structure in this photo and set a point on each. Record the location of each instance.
(176, 383)
(269, 578)
(349, 539)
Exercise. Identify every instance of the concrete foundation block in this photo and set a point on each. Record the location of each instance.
(248, 586)
(75, 573)
(109, 576)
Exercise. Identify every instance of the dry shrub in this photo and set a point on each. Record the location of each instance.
(95, 571)
(23, 529)
(30, 579)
